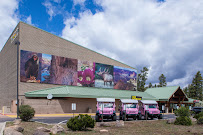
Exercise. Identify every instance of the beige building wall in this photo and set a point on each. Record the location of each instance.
(36, 40)
(8, 73)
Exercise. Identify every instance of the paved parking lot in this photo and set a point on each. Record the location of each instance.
(63, 119)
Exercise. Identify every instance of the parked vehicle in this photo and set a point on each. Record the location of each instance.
(105, 107)
(197, 109)
(129, 109)
(149, 109)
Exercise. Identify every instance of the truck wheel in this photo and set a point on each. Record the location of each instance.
(160, 117)
(146, 116)
(120, 117)
(139, 117)
(114, 118)
(134, 118)
(97, 118)
(124, 118)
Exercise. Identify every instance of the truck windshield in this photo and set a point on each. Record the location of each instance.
(130, 105)
(152, 106)
(106, 105)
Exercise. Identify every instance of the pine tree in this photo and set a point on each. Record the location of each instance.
(150, 85)
(142, 77)
(195, 89)
(162, 81)
(186, 91)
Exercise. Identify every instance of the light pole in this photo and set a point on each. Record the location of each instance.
(17, 43)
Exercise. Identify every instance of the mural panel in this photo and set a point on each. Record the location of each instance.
(125, 78)
(30, 66)
(63, 71)
(46, 66)
(103, 76)
(86, 70)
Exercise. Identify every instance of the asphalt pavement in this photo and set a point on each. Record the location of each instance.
(64, 119)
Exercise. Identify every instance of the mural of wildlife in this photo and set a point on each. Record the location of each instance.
(30, 67)
(103, 75)
(125, 78)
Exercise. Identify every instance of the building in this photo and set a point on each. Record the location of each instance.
(53, 73)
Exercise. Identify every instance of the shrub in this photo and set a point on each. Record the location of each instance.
(26, 112)
(182, 111)
(81, 122)
(183, 120)
(200, 120)
(197, 116)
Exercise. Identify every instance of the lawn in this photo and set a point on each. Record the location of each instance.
(158, 127)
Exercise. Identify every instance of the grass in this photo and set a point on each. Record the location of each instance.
(158, 127)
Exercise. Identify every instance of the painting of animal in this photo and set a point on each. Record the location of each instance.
(103, 75)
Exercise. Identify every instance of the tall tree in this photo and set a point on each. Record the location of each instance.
(142, 77)
(150, 85)
(195, 89)
(186, 90)
(162, 81)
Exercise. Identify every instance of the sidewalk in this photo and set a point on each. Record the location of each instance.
(2, 126)
(14, 115)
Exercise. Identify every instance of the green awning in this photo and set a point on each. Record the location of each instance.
(88, 92)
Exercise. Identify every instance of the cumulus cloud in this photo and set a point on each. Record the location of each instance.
(165, 36)
(79, 2)
(53, 8)
(29, 20)
(8, 19)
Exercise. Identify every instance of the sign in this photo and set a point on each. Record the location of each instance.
(15, 34)
(136, 97)
(73, 106)
(195, 101)
(49, 96)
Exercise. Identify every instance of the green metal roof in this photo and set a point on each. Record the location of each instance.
(88, 92)
(162, 93)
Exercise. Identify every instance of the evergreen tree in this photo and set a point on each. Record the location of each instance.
(150, 85)
(195, 89)
(162, 81)
(155, 86)
(142, 77)
(186, 91)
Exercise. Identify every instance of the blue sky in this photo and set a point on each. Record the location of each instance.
(63, 9)
(163, 35)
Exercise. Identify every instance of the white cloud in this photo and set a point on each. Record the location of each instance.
(8, 19)
(53, 8)
(29, 20)
(79, 2)
(167, 36)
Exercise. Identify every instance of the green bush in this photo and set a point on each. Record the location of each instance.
(26, 112)
(81, 122)
(197, 116)
(182, 111)
(200, 120)
(183, 120)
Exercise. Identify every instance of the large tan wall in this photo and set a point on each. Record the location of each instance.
(8, 73)
(36, 40)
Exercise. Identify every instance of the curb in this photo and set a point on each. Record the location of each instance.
(2, 128)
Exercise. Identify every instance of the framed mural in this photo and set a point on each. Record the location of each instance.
(30, 66)
(63, 71)
(104, 76)
(125, 78)
(86, 70)
(46, 66)
(50, 69)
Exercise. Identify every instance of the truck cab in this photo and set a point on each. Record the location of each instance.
(106, 109)
(149, 109)
(129, 109)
